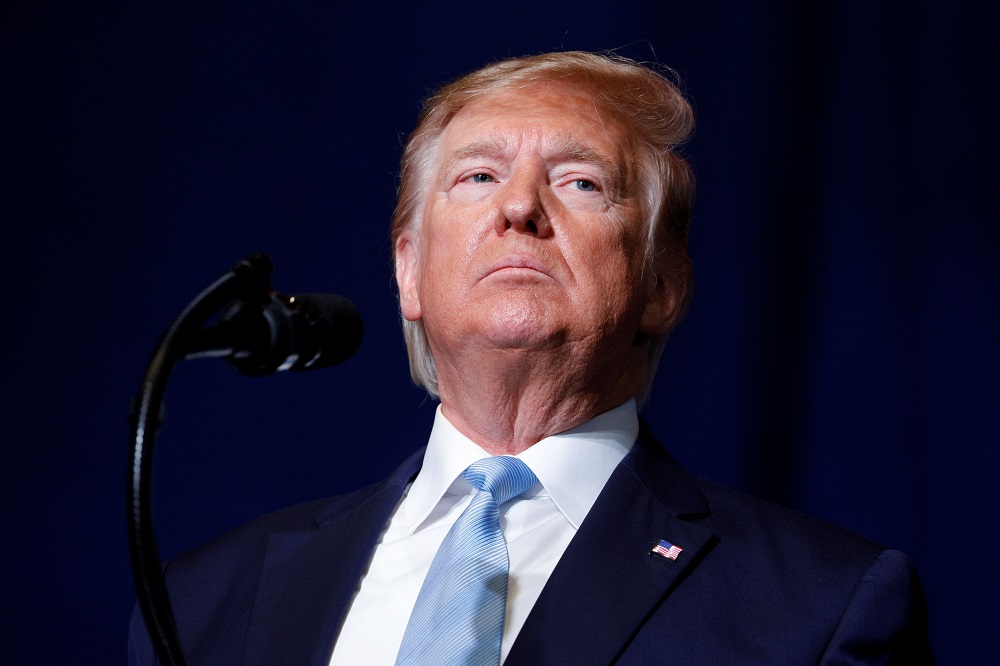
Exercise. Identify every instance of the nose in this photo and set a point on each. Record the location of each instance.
(521, 208)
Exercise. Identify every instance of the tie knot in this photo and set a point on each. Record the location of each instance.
(504, 477)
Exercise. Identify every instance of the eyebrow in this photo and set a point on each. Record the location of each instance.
(493, 147)
(569, 149)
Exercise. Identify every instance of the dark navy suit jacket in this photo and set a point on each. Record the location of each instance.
(754, 584)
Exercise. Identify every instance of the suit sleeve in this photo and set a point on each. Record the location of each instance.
(886, 619)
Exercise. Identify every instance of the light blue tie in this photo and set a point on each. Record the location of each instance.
(458, 617)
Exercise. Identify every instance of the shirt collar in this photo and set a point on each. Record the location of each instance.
(572, 466)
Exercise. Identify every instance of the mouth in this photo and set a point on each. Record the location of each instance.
(517, 263)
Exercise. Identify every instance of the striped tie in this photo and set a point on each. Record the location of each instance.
(458, 617)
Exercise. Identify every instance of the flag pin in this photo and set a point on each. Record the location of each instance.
(666, 549)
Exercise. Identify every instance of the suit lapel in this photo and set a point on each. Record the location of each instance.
(607, 583)
(309, 577)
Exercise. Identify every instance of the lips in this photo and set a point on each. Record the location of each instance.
(516, 262)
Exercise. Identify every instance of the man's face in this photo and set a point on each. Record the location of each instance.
(532, 233)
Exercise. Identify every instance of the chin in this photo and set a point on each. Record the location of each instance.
(519, 325)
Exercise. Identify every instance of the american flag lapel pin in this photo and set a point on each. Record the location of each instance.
(666, 549)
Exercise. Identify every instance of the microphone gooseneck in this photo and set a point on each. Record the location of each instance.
(259, 332)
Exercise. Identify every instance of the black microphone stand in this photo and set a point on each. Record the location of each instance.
(250, 279)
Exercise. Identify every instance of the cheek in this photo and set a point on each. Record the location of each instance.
(616, 262)
(619, 242)
(631, 242)
(457, 233)
(447, 257)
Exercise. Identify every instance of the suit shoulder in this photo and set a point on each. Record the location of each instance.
(248, 542)
(755, 532)
(761, 535)
(738, 512)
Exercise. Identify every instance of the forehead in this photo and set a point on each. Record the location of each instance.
(549, 118)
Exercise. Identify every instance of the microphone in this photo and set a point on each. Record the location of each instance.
(298, 332)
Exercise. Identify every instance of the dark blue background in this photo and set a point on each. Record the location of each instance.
(841, 355)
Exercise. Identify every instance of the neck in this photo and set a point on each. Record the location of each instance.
(508, 401)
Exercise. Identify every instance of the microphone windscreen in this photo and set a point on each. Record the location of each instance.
(335, 329)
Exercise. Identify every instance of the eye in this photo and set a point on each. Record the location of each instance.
(585, 185)
(481, 178)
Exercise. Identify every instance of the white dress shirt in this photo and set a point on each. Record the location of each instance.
(572, 468)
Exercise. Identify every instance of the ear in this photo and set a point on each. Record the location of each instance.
(407, 255)
(662, 308)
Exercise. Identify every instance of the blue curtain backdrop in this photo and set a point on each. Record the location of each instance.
(841, 355)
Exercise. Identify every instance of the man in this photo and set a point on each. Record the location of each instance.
(541, 257)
